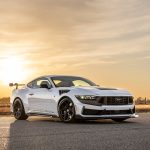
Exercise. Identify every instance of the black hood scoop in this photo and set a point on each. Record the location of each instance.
(102, 88)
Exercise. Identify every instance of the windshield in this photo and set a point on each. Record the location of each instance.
(68, 81)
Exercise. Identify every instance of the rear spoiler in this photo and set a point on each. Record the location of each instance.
(16, 85)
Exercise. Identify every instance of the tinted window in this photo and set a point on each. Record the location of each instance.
(43, 81)
(30, 85)
(37, 83)
(66, 81)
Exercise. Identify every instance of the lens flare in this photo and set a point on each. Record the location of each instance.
(13, 70)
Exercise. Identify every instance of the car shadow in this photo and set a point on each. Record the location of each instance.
(25, 132)
(57, 120)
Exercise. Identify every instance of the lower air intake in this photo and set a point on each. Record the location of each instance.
(106, 112)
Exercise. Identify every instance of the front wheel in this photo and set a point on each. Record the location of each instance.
(66, 110)
(119, 119)
(18, 110)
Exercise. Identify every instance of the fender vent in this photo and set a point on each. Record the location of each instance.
(63, 91)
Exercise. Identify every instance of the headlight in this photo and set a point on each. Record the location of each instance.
(85, 97)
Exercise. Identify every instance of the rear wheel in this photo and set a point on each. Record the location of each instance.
(66, 110)
(119, 119)
(18, 110)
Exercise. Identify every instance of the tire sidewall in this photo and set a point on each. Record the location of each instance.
(23, 115)
(74, 113)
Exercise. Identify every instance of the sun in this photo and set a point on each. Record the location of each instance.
(13, 70)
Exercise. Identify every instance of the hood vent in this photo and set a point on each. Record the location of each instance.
(63, 91)
(106, 88)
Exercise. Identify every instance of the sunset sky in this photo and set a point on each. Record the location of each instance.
(107, 41)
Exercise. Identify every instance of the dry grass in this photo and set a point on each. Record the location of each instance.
(142, 108)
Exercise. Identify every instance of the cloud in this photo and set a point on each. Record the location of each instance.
(73, 35)
(75, 25)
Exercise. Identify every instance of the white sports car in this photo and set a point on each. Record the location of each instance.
(70, 98)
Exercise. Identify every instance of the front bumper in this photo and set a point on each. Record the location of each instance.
(106, 116)
(106, 112)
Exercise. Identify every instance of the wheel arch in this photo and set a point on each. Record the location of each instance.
(74, 112)
(23, 115)
(62, 99)
(19, 99)
(65, 96)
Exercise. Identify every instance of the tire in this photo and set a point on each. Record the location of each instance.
(119, 119)
(66, 110)
(18, 110)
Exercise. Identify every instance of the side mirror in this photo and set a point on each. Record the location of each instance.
(11, 84)
(44, 86)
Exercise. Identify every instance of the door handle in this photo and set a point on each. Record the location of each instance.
(31, 94)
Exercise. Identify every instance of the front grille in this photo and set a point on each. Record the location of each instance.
(110, 100)
(117, 100)
(107, 112)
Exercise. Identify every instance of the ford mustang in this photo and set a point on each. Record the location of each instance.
(70, 98)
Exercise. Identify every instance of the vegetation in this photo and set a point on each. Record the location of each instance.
(5, 100)
(139, 100)
(142, 105)
(5, 106)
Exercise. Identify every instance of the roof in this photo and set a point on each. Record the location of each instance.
(49, 76)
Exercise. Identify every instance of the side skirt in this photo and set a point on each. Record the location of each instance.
(42, 114)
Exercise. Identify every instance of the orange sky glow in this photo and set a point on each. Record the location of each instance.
(105, 41)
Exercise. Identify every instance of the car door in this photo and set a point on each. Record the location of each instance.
(40, 99)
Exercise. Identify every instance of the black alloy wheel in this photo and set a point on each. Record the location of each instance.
(66, 110)
(18, 110)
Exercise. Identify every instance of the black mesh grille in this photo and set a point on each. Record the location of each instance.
(109, 101)
(117, 100)
(106, 112)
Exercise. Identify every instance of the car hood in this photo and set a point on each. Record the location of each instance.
(98, 91)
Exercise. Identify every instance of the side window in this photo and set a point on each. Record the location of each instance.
(40, 83)
(30, 85)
